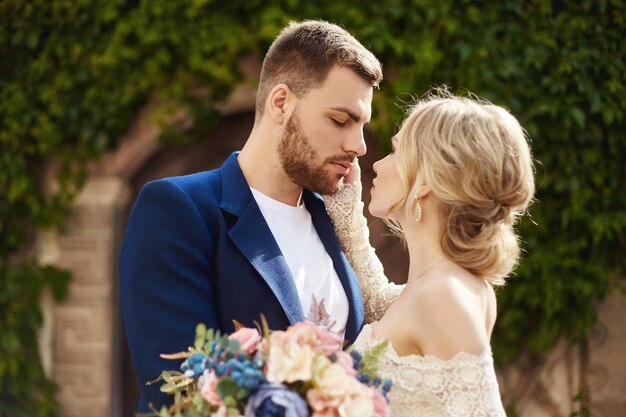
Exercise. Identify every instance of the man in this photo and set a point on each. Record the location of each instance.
(253, 237)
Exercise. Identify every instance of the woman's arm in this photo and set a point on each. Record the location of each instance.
(346, 211)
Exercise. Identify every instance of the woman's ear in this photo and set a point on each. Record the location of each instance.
(278, 105)
(424, 191)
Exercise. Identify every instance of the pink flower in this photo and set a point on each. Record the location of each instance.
(381, 406)
(209, 388)
(329, 412)
(322, 404)
(297, 335)
(301, 334)
(344, 359)
(248, 338)
(326, 341)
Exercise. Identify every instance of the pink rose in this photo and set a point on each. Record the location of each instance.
(323, 405)
(209, 388)
(381, 406)
(248, 338)
(326, 341)
(329, 412)
(345, 360)
(301, 334)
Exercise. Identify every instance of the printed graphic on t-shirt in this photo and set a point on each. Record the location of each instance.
(319, 316)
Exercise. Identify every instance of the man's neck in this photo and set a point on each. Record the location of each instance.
(262, 170)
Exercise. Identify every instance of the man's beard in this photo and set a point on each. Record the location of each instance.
(302, 163)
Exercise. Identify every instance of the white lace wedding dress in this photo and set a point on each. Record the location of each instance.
(423, 386)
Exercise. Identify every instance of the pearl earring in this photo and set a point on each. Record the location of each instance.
(418, 210)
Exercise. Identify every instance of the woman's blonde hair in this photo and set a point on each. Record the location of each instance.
(476, 159)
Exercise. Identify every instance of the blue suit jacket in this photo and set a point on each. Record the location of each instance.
(198, 250)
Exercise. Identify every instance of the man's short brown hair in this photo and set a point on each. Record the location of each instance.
(304, 53)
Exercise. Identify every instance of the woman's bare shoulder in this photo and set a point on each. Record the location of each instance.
(449, 309)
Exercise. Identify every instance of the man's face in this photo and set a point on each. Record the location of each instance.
(324, 134)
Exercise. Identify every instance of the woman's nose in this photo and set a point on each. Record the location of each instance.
(375, 166)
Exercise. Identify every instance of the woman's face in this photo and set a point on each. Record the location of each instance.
(387, 189)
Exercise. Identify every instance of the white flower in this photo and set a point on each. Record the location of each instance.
(289, 365)
(357, 406)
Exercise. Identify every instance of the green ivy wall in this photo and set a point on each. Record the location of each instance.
(73, 75)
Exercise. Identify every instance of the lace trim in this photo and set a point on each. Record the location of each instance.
(460, 357)
(463, 386)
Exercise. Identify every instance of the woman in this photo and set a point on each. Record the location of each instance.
(458, 177)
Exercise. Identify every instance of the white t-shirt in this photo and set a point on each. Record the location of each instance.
(322, 296)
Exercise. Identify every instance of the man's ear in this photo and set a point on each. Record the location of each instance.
(280, 103)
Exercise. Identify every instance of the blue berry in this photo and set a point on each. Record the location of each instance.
(387, 386)
(356, 356)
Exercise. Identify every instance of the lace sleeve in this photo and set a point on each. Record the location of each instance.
(346, 211)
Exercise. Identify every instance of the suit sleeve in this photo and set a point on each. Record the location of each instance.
(165, 282)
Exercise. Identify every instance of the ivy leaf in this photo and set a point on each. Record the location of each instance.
(58, 280)
(579, 117)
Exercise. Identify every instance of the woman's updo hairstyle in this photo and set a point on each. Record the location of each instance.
(476, 159)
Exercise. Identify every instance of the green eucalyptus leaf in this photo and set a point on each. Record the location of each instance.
(371, 358)
(201, 330)
(230, 402)
(167, 376)
(168, 388)
(227, 387)
(233, 345)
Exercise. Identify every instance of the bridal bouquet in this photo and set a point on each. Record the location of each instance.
(299, 372)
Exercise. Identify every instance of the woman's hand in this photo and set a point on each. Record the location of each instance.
(354, 175)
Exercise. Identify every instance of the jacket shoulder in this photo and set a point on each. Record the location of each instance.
(199, 186)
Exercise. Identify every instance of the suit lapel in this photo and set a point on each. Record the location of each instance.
(325, 231)
(253, 238)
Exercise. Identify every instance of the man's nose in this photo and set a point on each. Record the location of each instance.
(355, 143)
